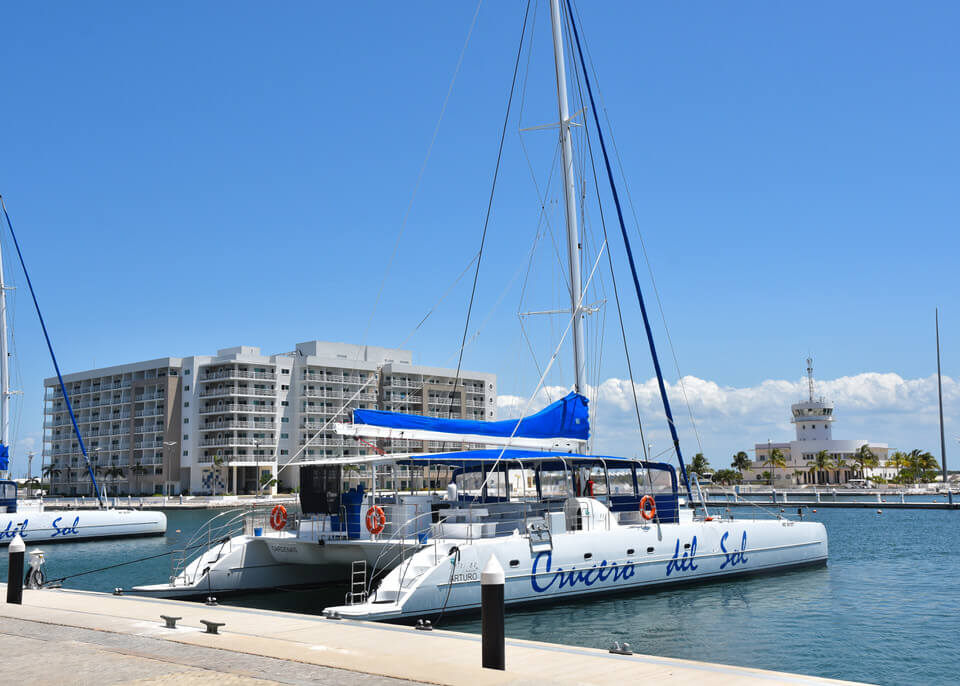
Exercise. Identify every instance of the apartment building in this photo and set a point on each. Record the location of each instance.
(241, 421)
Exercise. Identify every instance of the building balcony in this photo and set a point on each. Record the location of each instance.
(150, 412)
(226, 426)
(234, 408)
(236, 374)
(236, 390)
(237, 442)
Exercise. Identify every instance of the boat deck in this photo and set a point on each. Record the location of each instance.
(304, 642)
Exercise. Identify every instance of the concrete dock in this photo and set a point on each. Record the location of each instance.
(76, 637)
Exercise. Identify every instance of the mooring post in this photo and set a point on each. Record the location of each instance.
(492, 615)
(15, 570)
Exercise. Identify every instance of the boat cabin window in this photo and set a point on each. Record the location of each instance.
(655, 480)
(556, 483)
(8, 491)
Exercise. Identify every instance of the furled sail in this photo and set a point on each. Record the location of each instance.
(566, 418)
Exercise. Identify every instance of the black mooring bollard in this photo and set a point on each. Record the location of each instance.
(492, 615)
(15, 570)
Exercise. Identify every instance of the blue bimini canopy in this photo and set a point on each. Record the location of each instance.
(566, 418)
(504, 455)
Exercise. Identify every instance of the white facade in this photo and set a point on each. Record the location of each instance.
(813, 420)
(225, 423)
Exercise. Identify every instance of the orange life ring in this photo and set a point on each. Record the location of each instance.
(650, 512)
(278, 517)
(376, 520)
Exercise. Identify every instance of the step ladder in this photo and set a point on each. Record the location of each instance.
(358, 583)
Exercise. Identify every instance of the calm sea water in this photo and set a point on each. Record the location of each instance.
(886, 609)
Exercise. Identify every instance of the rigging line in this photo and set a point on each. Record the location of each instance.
(493, 188)
(56, 366)
(543, 377)
(616, 293)
(423, 168)
(613, 277)
(633, 268)
(643, 246)
(367, 383)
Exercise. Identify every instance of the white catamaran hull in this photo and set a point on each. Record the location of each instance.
(36, 526)
(279, 560)
(582, 563)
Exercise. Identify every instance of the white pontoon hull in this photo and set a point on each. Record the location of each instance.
(278, 560)
(54, 526)
(583, 563)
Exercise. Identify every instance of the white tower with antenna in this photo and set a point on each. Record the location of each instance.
(813, 417)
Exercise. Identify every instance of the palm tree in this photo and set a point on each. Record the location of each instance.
(838, 464)
(920, 462)
(50, 471)
(114, 474)
(898, 461)
(820, 465)
(700, 464)
(741, 461)
(139, 470)
(775, 459)
(864, 457)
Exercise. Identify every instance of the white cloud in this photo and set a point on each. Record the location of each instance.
(882, 407)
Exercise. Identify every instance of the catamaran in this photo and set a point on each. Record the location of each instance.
(565, 524)
(33, 521)
(561, 522)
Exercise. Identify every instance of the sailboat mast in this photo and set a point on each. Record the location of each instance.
(943, 443)
(4, 366)
(570, 196)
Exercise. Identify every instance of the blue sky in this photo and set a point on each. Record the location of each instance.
(190, 176)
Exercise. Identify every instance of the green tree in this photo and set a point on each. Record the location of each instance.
(838, 465)
(774, 460)
(700, 464)
(920, 466)
(820, 465)
(139, 470)
(740, 462)
(727, 476)
(114, 474)
(898, 461)
(267, 480)
(863, 458)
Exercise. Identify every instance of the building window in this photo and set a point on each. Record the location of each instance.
(186, 437)
(185, 453)
(186, 420)
(284, 403)
(284, 388)
(285, 419)
(284, 371)
(284, 436)
(187, 404)
(186, 388)
(186, 371)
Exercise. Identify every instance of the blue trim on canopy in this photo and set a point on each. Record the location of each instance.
(493, 455)
(566, 418)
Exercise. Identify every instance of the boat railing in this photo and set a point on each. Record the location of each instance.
(219, 531)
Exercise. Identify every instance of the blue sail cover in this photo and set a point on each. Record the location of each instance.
(566, 418)
(4, 457)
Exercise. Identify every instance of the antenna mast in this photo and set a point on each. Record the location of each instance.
(810, 376)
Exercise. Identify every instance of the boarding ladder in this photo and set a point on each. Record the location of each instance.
(358, 583)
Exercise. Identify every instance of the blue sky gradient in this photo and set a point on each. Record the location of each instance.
(190, 176)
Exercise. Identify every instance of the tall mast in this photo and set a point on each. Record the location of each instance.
(570, 195)
(943, 443)
(4, 366)
(810, 377)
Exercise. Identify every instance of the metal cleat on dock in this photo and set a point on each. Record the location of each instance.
(171, 622)
(621, 648)
(212, 626)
